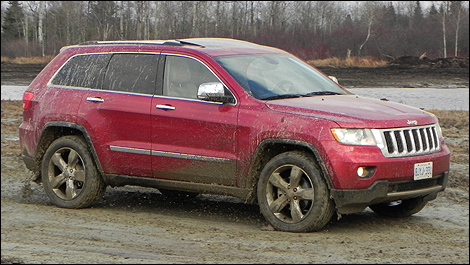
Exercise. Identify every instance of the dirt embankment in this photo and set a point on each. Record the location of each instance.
(400, 77)
(19, 74)
(139, 225)
(394, 75)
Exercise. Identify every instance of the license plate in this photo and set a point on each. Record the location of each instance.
(423, 171)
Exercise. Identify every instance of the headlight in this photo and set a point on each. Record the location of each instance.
(439, 131)
(354, 136)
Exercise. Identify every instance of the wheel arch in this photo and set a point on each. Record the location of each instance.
(269, 148)
(54, 130)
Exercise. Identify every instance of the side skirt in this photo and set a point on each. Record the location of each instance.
(247, 195)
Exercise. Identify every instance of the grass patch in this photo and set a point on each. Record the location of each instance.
(348, 62)
(452, 118)
(329, 62)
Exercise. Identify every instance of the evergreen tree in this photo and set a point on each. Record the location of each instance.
(417, 15)
(12, 27)
(390, 16)
(433, 13)
(348, 22)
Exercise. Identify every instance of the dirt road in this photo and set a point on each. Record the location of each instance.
(139, 225)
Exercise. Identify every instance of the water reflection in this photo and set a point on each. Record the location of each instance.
(426, 98)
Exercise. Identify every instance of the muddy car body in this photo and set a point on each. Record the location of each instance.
(227, 117)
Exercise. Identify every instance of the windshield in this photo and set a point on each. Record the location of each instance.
(275, 76)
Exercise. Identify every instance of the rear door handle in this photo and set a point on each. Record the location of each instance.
(165, 107)
(93, 99)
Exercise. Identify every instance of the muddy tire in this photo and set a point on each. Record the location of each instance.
(398, 209)
(69, 174)
(292, 194)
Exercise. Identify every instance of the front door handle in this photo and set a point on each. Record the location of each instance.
(93, 99)
(165, 107)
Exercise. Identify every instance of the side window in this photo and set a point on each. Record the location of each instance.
(83, 71)
(183, 76)
(136, 73)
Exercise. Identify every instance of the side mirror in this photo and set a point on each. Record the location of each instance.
(333, 78)
(214, 91)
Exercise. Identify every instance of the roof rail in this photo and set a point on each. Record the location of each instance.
(159, 42)
(113, 42)
(172, 43)
(190, 43)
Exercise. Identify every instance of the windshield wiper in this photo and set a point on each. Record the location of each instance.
(283, 96)
(320, 93)
(316, 93)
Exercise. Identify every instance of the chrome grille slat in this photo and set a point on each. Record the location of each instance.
(434, 134)
(425, 135)
(409, 141)
(403, 147)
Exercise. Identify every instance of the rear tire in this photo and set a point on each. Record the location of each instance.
(292, 194)
(403, 208)
(69, 174)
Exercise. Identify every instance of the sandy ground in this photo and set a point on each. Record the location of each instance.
(139, 225)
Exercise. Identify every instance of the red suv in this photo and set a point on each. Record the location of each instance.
(228, 117)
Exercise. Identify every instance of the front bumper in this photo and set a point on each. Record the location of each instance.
(352, 201)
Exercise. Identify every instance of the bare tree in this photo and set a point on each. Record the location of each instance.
(456, 12)
(139, 8)
(311, 29)
(369, 13)
(444, 10)
(442, 17)
(121, 20)
(41, 13)
(367, 37)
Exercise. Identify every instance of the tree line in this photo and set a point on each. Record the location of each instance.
(308, 29)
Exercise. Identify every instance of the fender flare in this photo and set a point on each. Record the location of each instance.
(308, 146)
(77, 127)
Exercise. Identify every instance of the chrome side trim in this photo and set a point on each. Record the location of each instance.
(190, 157)
(167, 154)
(129, 150)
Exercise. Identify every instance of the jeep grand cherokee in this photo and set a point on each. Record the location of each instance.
(228, 117)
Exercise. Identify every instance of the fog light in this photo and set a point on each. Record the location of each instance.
(365, 172)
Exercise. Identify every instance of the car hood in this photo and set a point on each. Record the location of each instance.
(355, 111)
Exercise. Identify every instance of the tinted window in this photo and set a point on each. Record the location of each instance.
(82, 71)
(135, 73)
(184, 75)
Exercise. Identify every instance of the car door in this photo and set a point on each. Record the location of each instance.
(192, 140)
(117, 116)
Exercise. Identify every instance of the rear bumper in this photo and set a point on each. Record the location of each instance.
(351, 201)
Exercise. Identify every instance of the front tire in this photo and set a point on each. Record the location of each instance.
(398, 209)
(69, 174)
(292, 194)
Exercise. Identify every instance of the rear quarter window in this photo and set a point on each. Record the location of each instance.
(82, 71)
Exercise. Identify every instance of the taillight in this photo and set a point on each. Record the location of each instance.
(27, 97)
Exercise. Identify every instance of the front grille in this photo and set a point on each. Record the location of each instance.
(410, 141)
